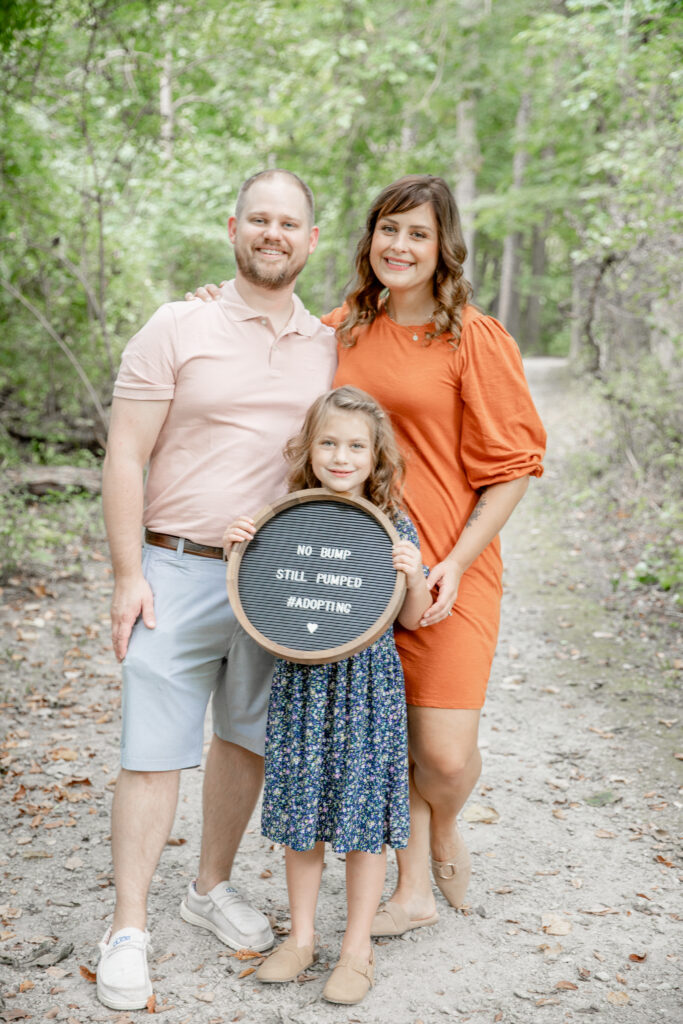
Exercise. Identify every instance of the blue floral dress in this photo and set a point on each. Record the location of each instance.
(337, 751)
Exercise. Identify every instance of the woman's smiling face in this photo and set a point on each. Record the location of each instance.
(404, 251)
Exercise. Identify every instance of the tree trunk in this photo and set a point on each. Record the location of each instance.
(166, 106)
(531, 324)
(466, 164)
(508, 306)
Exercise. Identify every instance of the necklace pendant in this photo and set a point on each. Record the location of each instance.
(416, 337)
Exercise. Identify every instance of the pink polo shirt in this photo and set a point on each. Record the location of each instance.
(238, 393)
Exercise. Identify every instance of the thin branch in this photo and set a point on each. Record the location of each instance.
(65, 347)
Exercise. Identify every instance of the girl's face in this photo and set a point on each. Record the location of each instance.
(342, 453)
(404, 250)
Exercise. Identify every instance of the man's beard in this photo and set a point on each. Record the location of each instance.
(276, 279)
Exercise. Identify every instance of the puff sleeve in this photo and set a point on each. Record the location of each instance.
(502, 437)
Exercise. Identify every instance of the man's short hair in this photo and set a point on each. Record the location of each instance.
(275, 172)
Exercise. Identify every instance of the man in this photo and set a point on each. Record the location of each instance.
(207, 394)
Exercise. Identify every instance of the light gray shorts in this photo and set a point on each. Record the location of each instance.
(197, 649)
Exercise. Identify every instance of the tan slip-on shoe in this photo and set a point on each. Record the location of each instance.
(287, 962)
(392, 919)
(351, 979)
(453, 876)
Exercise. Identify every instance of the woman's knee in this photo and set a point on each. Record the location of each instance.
(449, 766)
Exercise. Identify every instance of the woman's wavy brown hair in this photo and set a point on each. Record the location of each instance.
(383, 486)
(451, 289)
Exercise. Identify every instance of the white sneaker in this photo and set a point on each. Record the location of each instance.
(229, 916)
(122, 975)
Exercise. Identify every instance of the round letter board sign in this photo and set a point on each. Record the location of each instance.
(317, 583)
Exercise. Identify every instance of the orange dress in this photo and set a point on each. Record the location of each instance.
(464, 419)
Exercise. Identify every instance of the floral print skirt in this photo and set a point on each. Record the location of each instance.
(336, 753)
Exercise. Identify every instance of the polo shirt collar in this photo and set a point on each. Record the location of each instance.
(300, 322)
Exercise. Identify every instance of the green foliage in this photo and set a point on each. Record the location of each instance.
(34, 534)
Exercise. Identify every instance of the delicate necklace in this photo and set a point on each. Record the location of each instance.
(390, 314)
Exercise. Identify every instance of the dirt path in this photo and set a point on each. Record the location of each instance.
(575, 908)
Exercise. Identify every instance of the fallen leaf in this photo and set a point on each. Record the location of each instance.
(663, 860)
(547, 1001)
(86, 973)
(64, 754)
(604, 833)
(584, 973)
(151, 1004)
(208, 997)
(246, 971)
(26, 986)
(618, 998)
(638, 958)
(175, 842)
(553, 924)
(266, 873)
(566, 985)
(248, 954)
(481, 813)
(56, 972)
(599, 911)
(11, 913)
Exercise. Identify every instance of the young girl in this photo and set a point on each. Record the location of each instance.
(336, 751)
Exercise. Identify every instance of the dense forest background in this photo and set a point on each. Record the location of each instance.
(128, 127)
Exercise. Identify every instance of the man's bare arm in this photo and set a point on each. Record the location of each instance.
(133, 431)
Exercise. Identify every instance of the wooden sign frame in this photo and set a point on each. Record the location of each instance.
(346, 650)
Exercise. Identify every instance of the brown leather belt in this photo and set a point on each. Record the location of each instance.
(166, 540)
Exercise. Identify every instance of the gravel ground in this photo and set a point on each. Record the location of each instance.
(574, 827)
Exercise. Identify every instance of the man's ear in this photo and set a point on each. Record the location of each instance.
(232, 229)
(313, 240)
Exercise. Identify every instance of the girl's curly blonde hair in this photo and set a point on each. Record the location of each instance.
(385, 483)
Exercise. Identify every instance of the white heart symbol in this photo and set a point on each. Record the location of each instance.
(311, 626)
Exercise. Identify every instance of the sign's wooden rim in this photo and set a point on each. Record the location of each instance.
(331, 653)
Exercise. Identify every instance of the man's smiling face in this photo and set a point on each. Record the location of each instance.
(274, 236)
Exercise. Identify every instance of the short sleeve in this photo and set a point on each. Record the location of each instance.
(148, 364)
(502, 437)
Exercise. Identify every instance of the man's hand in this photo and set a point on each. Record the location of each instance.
(132, 598)
(207, 292)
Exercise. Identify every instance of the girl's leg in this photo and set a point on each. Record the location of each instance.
(296, 953)
(364, 883)
(447, 764)
(304, 871)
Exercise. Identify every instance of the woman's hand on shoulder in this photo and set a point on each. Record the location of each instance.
(242, 529)
(206, 292)
(407, 558)
(445, 579)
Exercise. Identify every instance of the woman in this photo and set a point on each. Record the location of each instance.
(452, 381)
